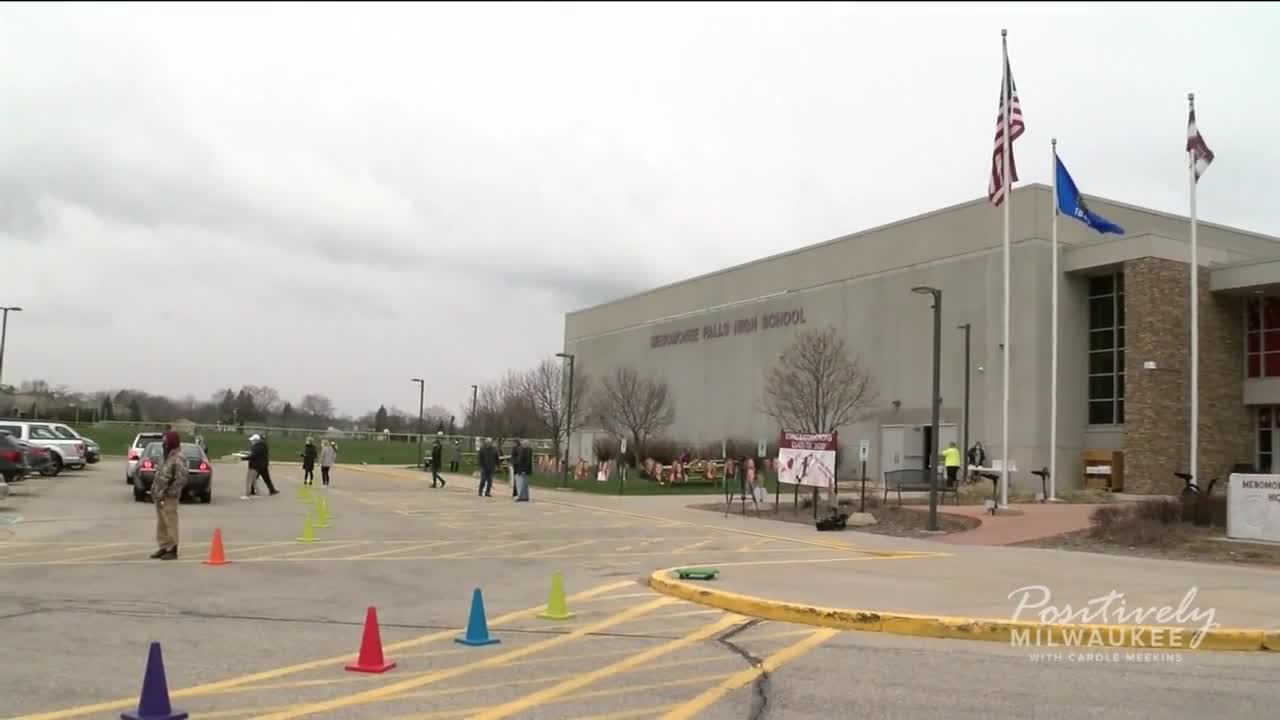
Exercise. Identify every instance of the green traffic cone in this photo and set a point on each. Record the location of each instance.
(308, 533)
(557, 607)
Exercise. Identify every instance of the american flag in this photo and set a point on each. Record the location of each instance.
(1008, 104)
(1201, 155)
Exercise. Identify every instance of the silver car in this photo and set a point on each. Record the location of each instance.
(63, 453)
(140, 443)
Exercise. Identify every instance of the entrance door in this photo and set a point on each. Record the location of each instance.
(892, 448)
(1267, 439)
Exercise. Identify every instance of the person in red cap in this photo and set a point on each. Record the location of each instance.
(166, 491)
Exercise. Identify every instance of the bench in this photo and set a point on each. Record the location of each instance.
(915, 480)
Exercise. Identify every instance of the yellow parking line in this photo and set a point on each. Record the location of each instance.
(694, 546)
(626, 714)
(219, 685)
(478, 547)
(401, 549)
(397, 688)
(546, 695)
(705, 700)
(558, 548)
(96, 556)
(312, 551)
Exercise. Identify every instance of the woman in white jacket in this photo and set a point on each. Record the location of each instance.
(328, 456)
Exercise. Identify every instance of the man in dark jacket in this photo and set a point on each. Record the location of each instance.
(524, 469)
(260, 462)
(436, 455)
(487, 459)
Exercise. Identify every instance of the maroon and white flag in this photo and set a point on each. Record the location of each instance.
(1201, 155)
(1010, 107)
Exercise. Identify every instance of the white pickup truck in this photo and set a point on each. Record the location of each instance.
(63, 453)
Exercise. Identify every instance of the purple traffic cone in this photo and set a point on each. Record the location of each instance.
(154, 703)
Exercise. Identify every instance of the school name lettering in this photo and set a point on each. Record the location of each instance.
(1261, 484)
(741, 326)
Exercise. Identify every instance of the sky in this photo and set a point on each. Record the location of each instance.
(337, 198)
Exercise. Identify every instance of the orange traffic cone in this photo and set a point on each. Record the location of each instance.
(371, 659)
(216, 556)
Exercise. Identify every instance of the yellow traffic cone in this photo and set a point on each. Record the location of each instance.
(308, 533)
(322, 514)
(557, 606)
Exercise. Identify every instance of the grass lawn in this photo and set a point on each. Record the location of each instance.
(285, 447)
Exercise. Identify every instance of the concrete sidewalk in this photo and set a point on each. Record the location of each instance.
(967, 580)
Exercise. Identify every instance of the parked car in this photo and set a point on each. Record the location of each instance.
(39, 459)
(140, 443)
(13, 461)
(199, 472)
(64, 453)
(92, 452)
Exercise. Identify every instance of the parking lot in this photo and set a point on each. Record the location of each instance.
(268, 635)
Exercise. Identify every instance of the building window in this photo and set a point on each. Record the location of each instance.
(1262, 337)
(1265, 428)
(1106, 349)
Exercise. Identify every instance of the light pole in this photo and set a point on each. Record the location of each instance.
(937, 379)
(967, 328)
(568, 419)
(4, 331)
(472, 421)
(422, 392)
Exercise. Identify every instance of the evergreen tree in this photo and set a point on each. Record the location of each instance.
(107, 411)
(135, 410)
(380, 419)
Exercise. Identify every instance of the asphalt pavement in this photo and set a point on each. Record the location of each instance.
(268, 635)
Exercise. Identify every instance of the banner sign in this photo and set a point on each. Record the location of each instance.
(807, 459)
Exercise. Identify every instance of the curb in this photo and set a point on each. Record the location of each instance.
(1016, 634)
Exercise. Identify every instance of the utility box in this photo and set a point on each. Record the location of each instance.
(1103, 470)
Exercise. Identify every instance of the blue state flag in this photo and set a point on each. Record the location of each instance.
(1071, 203)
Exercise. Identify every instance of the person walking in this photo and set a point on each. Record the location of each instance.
(309, 462)
(511, 466)
(265, 471)
(259, 467)
(487, 459)
(166, 491)
(436, 453)
(455, 456)
(523, 469)
(951, 460)
(328, 456)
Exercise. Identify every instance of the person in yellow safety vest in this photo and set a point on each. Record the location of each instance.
(951, 459)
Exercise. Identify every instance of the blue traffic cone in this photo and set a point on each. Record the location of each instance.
(154, 703)
(477, 626)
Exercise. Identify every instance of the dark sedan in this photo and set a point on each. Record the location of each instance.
(19, 458)
(199, 473)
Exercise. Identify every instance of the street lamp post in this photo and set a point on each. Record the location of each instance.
(474, 390)
(422, 392)
(4, 331)
(568, 419)
(967, 328)
(937, 379)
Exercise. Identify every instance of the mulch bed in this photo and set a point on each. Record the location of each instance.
(895, 521)
(1178, 542)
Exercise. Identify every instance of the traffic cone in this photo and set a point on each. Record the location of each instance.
(557, 607)
(216, 556)
(477, 626)
(371, 659)
(308, 533)
(304, 492)
(154, 702)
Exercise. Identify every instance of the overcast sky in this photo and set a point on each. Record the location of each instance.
(334, 199)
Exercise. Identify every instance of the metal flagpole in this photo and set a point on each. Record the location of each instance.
(1195, 317)
(1053, 363)
(1008, 200)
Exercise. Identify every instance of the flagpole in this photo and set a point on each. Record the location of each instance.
(1195, 319)
(1053, 363)
(1008, 200)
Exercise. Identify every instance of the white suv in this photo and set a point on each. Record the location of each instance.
(140, 443)
(63, 453)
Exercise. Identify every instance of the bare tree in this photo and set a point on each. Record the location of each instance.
(816, 386)
(503, 409)
(266, 399)
(546, 388)
(317, 405)
(629, 405)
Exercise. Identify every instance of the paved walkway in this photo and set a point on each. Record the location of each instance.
(1019, 523)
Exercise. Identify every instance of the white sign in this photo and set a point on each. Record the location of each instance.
(623, 449)
(864, 451)
(762, 448)
(807, 459)
(1253, 507)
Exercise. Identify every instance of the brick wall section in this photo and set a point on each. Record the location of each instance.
(1157, 403)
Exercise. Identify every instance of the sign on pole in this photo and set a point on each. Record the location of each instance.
(807, 459)
(623, 450)
(864, 451)
(762, 448)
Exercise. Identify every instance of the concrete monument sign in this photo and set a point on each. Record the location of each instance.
(1253, 507)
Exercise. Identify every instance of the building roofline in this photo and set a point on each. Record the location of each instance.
(904, 221)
